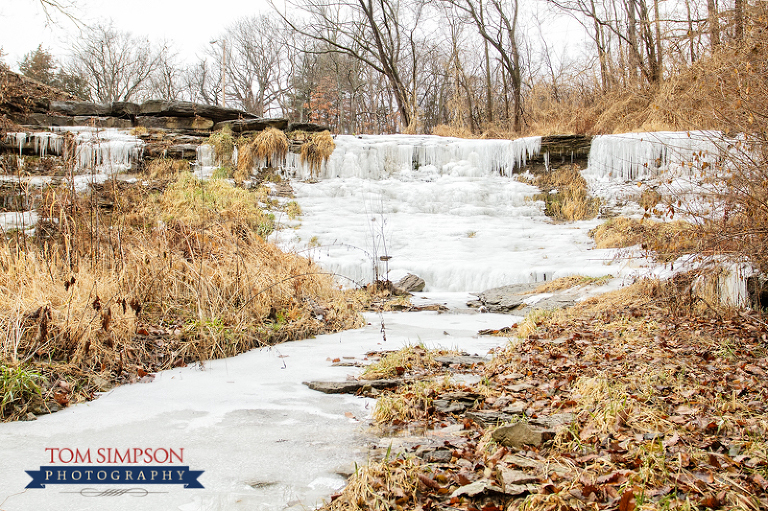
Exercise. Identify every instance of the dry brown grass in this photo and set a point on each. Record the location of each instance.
(157, 280)
(446, 130)
(271, 145)
(667, 240)
(571, 282)
(317, 150)
(266, 150)
(381, 486)
(397, 362)
(565, 194)
(223, 144)
(165, 168)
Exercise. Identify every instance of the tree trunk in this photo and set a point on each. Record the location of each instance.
(738, 14)
(714, 24)
(488, 91)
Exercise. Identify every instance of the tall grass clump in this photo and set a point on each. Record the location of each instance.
(666, 240)
(317, 150)
(267, 150)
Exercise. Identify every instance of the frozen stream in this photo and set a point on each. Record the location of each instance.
(264, 440)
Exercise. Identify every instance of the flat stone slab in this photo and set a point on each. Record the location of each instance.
(462, 360)
(351, 386)
(521, 433)
(519, 299)
(492, 418)
(255, 124)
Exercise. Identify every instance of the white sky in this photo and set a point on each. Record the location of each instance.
(189, 24)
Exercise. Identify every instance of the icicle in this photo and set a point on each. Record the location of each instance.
(109, 150)
(420, 157)
(205, 156)
(46, 141)
(19, 138)
(632, 156)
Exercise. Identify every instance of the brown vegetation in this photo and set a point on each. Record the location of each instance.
(666, 240)
(131, 280)
(565, 194)
(662, 407)
(317, 150)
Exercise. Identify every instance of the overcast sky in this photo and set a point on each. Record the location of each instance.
(189, 24)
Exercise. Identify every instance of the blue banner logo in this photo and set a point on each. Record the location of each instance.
(88, 475)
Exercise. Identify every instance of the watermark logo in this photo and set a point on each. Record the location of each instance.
(114, 475)
(127, 467)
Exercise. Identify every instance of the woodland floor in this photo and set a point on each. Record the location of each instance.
(635, 400)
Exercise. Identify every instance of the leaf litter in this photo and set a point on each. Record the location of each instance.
(635, 400)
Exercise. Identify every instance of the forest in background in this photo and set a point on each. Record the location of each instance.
(451, 67)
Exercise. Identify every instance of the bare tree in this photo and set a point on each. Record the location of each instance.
(117, 65)
(256, 55)
(166, 82)
(201, 82)
(383, 34)
(497, 23)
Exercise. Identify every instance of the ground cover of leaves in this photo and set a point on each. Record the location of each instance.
(636, 400)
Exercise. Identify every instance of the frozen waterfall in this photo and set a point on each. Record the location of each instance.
(632, 156)
(410, 157)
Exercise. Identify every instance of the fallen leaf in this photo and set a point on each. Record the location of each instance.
(627, 502)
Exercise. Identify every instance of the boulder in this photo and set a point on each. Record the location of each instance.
(80, 108)
(124, 109)
(309, 127)
(174, 123)
(409, 284)
(519, 298)
(160, 108)
(521, 434)
(254, 124)
(434, 454)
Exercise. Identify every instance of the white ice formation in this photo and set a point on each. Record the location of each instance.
(633, 156)
(419, 156)
(108, 150)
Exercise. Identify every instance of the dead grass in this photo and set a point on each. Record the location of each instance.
(566, 195)
(159, 279)
(165, 168)
(381, 486)
(223, 144)
(395, 363)
(571, 282)
(666, 240)
(445, 130)
(317, 150)
(265, 150)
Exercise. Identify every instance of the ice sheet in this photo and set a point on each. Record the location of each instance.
(264, 440)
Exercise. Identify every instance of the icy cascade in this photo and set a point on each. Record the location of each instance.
(107, 150)
(205, 155)
(460, 234)
(46, 142)
(632, 156)
(411, 157)
(19, 138)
